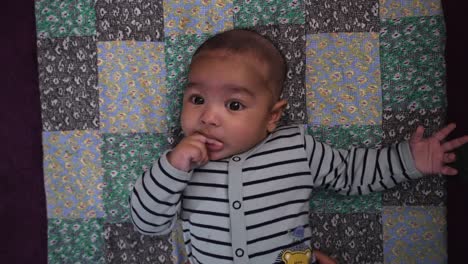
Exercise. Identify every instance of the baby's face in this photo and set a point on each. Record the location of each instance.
(227, 99)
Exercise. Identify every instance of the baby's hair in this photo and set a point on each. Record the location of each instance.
(244, 41)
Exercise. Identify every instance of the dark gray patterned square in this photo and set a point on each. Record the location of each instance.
(431, 190)
(290, 40)
(140, 20)
(68, 83)
(349, 238)
(398, 126)
(341, 16)
(125, 245)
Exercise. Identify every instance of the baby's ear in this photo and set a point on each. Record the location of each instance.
(275, 114)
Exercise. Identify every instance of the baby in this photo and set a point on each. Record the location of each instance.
(240, 184)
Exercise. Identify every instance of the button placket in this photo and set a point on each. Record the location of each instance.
(236, 214)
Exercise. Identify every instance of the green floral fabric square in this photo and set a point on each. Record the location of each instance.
(125, 157)
(270, 12)
(75, 241)
(58, 18)
(412, 63)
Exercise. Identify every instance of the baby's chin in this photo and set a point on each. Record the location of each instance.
(223, 154)
(218, 155)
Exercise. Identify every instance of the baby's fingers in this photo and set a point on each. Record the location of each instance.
(446, 170)
(200, 154)
(444, 132)
(454, 143)
(417, 135)
(449, 157)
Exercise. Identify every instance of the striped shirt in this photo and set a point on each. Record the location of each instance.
(249, 207)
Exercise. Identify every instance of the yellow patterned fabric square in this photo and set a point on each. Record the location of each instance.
(73, 174)
(132, 88)
(343, 79)
(406, 8)
(189, 17)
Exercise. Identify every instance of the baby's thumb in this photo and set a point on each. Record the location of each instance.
(417, 135)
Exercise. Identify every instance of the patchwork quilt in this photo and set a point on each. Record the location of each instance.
(360, 73)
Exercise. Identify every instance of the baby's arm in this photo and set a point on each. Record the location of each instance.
(156, 196)
(359, 170)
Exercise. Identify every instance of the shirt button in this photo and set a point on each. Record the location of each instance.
(236, 158)
(236, 204)
(239, 252)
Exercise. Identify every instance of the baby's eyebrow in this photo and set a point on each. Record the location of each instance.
(233, 88)
(190, 85)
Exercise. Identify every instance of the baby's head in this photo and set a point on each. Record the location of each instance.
(233, 93)
(250, 46)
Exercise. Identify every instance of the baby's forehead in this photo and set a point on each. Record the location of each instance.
(244, 56)
(249, 57)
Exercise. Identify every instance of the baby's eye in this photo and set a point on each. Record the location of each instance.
(235, 106)
(197, 100)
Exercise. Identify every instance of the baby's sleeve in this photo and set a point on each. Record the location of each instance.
(156, 197)
(359, 170)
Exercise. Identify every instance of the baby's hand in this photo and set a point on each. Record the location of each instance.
(324, 259)
(432, 154)
(191, 152)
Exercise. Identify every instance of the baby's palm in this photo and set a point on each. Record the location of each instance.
(432, 154)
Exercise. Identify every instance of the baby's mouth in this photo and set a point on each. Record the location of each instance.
(214, 147)
(213, 144)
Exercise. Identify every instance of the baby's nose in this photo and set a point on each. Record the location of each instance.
(210, 117)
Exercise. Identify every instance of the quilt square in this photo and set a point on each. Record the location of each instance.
(270, 12)
(349, 238)
(73, 174)
(343, 79)
(427, 191)
(75, 241)
(140, 20)
(407, 8)
(132, 87)
(179, 51)
(125, 157)
(290, 40)
(413, 64)
(68, 83)
(197, 17)
(124, 245)
(415, 235)
(341, 16)
(58, 18)
(400, 125)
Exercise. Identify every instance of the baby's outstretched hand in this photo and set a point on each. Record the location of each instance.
(191, 152)
(432, 154)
